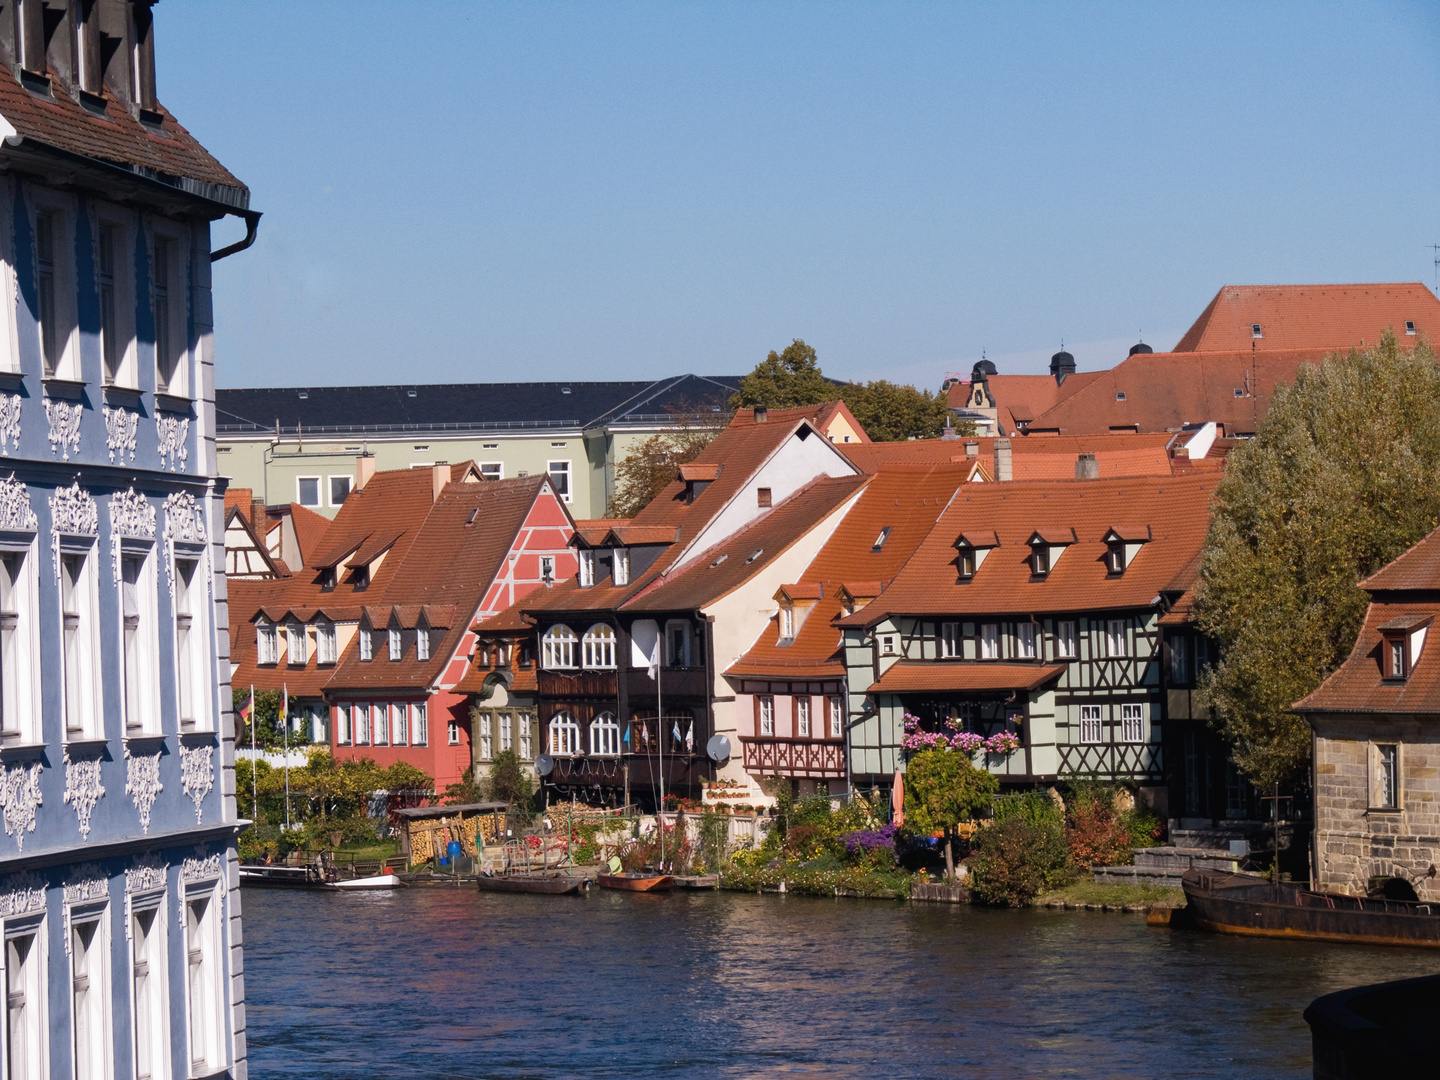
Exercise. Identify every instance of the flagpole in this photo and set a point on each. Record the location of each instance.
(254, 790)
(285, 723)
(660, 735)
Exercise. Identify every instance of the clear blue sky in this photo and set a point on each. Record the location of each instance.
(600, 191)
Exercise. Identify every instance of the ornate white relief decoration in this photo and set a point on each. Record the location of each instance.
(197, 773)
(120, 428)
(184, 524)
(83, 789)
(174, 433)
(9, 423)
(87, 884)
(21, 894)
(200, 869)
(130, 515)
(16, 513)
(142, 783)
(147, 875)
(20, 798)
(64, 420)
(73, 513)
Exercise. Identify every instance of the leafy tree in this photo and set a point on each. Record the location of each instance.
(942, 789)
(785, 380)
(269, 735)
(643, 473)
(466, 791)
(890, 412)
(508, 782)
(1016, 858)
(1339, 480)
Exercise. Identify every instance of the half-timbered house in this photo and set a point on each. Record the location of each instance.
(1031, 608)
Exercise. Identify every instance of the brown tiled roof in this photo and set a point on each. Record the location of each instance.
(116, 137)
(1325, 317)
(905, 498)
(909, 676)
(1417, 568)
(1020, 398)
(310, 529)
(1165, 391)
(246, 600)
(1176, 508)
(1031, 458)
(1358, 685)
(697, 470)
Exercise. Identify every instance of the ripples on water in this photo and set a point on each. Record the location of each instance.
(439, 982)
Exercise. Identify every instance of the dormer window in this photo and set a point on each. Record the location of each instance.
(422, 643)
(1040, 560)
(397, 643)
(267, 643)
(1401, 640)
(587, 569)
(1122, 544)
(620, 566)
(360, 578)
(787, 622)
(1046, 547)
(968, 562)
(327, 579)
(1115, 558)
(972, 550)
(367, 644)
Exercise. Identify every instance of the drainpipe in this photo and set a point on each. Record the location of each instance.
(252, 226)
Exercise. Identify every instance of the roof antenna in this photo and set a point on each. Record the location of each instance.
(1436, 248)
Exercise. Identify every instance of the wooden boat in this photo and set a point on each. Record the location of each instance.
(550, 884)
(636, 882)
(1244, 904)
(283, 877)
(377, 881)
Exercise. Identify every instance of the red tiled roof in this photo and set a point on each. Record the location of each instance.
(697, 470)
(1358, 685)
(310, 529)
(1417, 568)
(1031, 458)
(1165, 391)
(1019, 398)
(909, 676)
(1176, 508)
(1325, 317)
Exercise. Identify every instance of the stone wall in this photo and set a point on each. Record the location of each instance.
(1356, 842)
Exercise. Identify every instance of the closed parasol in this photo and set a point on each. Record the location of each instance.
(897, 798)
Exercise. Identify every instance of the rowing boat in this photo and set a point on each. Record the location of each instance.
(530, 883)
(635, 882)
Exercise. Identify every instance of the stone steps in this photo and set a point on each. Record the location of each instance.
(1168, 877)
(1165, 866)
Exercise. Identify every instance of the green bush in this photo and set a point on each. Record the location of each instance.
(1017, 858)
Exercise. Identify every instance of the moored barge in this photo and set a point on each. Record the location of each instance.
(1229, 903)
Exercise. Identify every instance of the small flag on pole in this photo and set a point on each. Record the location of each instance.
(626, 740)
(676, 732)
(690, 738)
(654, 669)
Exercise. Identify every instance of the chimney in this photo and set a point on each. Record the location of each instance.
(1087, 468)
(949, 434)
(972, 448)
(364, 470)
(762, 414)
(1002, 461)
(439, 477)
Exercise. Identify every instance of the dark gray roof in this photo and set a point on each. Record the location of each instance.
(468, 406)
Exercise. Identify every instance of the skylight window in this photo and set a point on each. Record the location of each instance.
(880, 540)
(755, 555)
(304, 395)
(1409, 326)
(1119, 395)
(1239, 392)
(409, 393)
(1255, 331)
(718, 561)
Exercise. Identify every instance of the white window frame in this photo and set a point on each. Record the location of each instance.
(527, 747)
(1116, 643)
(122, 290)
(888, 645)
(379, 723)
(559, 647)
(492, 470)
(419, 725)
(33, 977)
(503, 720)
(64, 283)
(1092, 727)
(587, 568)
(1066, 640)
(399, 729)
(319, 492)
(952, 644)
(80, 692)
(598, 648)
(1387, 793)
(487, 737)
(366, 644)
(140, 683)
(765, 706)
(787, 621)
(802, 717)
(394, 643)
(346, 479)
(296, 648)
(326, 651)
(205, 997)
(362, 724)
(620, 566)
(150, 950)
(1025, 641)
(564, 470)
(1132, 723)
(990, 641)
(191, 601)
(605, 736)
(267, 642)
(452, 733)
(422, 642)
(342, 724)
(564, 735)
(177, 295)
(20, 705)
(91, 1033)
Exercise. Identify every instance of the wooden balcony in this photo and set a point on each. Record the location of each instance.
(770, 756)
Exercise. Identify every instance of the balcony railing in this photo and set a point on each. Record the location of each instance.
(793, 757)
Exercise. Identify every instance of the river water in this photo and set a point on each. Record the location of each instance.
(439, 982)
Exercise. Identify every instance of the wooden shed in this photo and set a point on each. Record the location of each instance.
(429, 828)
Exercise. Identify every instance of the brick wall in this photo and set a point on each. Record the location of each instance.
(1354, 842)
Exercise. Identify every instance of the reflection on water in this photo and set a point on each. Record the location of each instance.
(438, 982)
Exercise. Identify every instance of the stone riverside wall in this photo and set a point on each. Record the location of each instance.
(1354, 842)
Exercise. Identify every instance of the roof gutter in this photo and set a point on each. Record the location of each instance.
(252, 226)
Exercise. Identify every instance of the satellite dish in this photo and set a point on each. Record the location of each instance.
(718, 748)
(544, 764)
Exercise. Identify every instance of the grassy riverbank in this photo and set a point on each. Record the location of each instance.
(1085, 893)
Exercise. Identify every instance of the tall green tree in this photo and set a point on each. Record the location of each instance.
(643, 473)
(1339, 480)
(786, 380)
(891, 412)
(942, 789)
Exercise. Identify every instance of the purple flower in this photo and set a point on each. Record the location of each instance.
(870, 839)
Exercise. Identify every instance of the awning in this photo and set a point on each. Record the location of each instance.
(908, 677)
